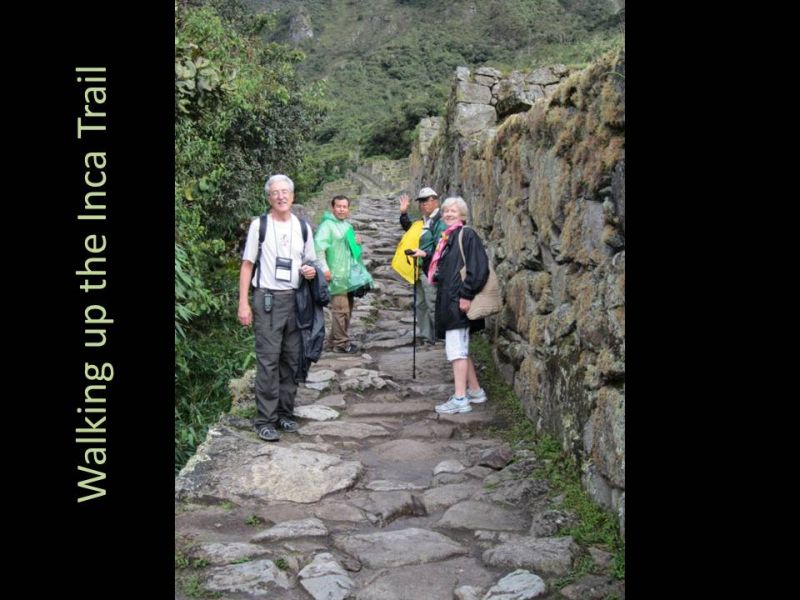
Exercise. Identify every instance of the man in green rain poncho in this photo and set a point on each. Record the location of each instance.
(339, 254)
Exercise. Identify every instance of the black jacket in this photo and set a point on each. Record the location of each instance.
(450, 288)
(309, 299)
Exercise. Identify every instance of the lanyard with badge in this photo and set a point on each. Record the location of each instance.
(283, 266)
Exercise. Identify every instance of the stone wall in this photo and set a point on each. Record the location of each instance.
(389, 175)
(539, 157)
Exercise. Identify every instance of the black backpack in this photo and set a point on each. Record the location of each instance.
(262, 231)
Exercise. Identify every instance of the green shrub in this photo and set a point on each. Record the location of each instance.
(241, 114)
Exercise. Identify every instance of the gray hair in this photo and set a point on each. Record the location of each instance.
(458, 201)
(276, 179)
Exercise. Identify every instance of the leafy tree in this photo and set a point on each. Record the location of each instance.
(392, 136)
(241, 114)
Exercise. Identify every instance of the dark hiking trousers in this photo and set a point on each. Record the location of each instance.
(277, 355)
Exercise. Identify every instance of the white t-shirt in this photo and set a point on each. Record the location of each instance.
(284, 239)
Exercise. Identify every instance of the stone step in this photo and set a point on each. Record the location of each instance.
(381, 498)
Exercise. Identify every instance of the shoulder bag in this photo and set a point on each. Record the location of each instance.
(487, 301)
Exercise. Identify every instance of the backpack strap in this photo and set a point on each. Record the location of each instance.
(304, 225)
(262, 232)
(304, 229)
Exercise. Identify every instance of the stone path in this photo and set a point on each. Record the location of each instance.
(377, 497)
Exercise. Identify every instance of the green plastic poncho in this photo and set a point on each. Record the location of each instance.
(337, 240)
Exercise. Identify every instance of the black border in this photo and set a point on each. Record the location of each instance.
(123, 539)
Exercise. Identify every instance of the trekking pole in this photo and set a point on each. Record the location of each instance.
(409, 252)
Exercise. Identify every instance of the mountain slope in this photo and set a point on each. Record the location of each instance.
(388, 63)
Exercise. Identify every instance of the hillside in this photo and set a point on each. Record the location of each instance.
(388, 63)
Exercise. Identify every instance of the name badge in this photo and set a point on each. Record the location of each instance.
(283, 269)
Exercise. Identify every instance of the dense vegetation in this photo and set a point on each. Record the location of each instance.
(240, 113)
(388, 63)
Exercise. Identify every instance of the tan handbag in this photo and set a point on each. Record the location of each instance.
(488, 301)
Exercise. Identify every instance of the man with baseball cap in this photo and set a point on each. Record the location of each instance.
(432, 227)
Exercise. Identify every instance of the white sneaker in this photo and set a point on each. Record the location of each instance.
(478, 397)
(454, 405)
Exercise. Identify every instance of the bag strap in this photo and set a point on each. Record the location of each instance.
(464, 258)
(461, 247)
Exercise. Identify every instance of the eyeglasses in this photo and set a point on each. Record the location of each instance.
(428, 199)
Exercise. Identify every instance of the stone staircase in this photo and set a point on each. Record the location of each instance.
(392, 176)
(374, 179)
(377, 497)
